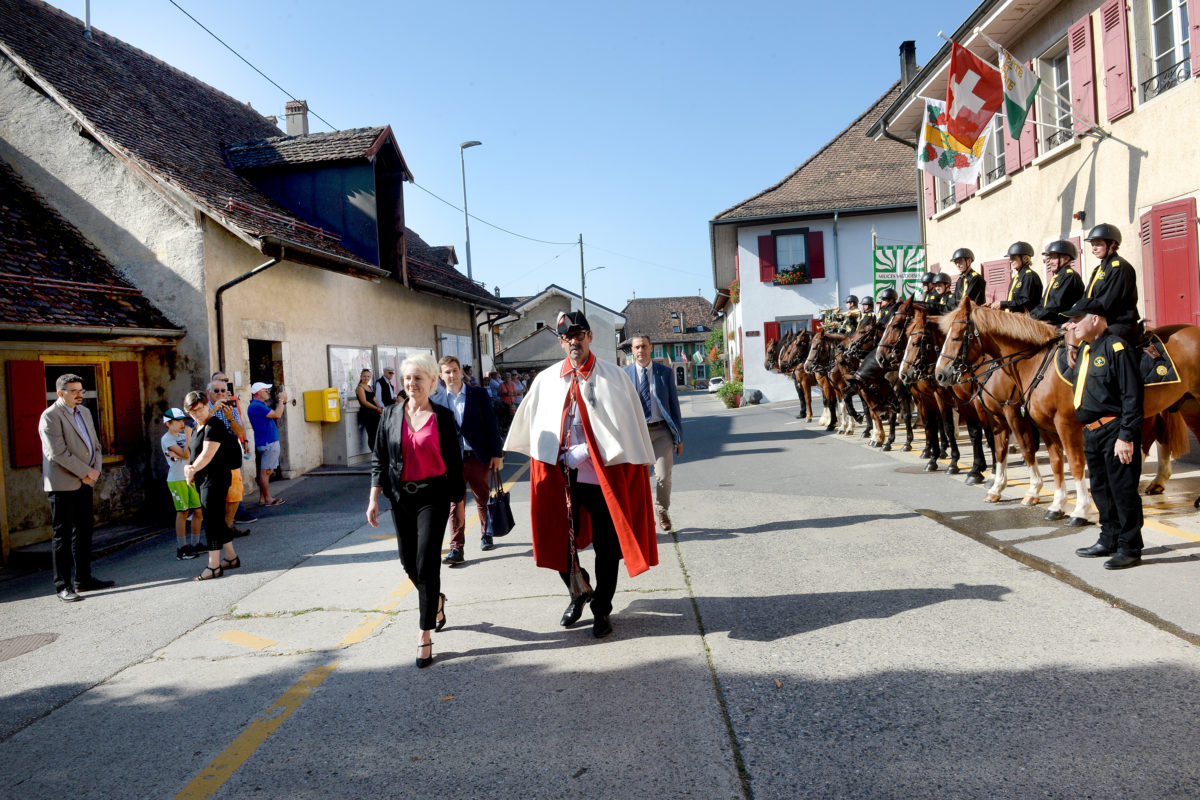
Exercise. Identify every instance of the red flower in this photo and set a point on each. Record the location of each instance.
(961, 160)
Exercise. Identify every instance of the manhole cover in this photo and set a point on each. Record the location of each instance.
(20, 645)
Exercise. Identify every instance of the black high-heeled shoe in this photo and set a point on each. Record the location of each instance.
(422, 663)
(440, 619)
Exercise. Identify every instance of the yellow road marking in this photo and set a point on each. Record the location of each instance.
(364, 629)
(383, 537)
(1170, 530)
(222, 768)
(247, 639)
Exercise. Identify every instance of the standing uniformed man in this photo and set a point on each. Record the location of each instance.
(1114, 284)
(1024, 287)
(1064, 288)
(970, 283)
(1108, 402)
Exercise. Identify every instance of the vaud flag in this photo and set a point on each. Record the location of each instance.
(940, 154)
(974, 94)
(1020, 88)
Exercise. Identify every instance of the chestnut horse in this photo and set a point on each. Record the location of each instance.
(793, 351)
(822, 364)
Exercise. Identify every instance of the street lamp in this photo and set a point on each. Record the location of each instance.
(466, 217)
(583, 286)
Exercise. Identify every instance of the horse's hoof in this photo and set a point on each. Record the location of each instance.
(943, 454)
(1077, 522)
(953, 469)
(1197, 503)
(1030, 501)
(974, 479)
(1054, 515)
(908, 449)
(931, 466)
(866, 433)
(1154, 488)
(992, 498)
(831, 427)
(926, 454)
(887, 448)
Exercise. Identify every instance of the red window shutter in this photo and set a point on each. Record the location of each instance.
(997, 274)
(127, 407)
(1176, 285)
(26, 402)
(816, 254)
(1193, 12)
(1145, 228)
(1114, 39)
(1028, 141)
(1083, 72)
(931, 195)
(770, 332)
(766, 258)
(1012, 150)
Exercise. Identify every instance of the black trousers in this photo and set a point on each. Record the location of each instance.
(71, 520)
(1115, 489)
(420, 520)
(589, 498)
(213, 494)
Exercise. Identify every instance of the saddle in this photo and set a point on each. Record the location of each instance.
(1156, 364)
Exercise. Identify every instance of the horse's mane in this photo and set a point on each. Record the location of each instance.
(994, 322)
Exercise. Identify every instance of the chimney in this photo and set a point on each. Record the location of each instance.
(297, 117)
(908, 63)
(271, 118)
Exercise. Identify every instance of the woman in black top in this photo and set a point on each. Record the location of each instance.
(215, 453)
(368, 409)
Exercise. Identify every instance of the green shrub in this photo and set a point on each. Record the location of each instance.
(728, 391)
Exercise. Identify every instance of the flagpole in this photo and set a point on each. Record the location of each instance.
(999, 48)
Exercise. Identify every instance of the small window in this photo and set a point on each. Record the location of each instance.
(944, 194)
(791, 251)
(1170, 47)
(1055, 110)
(678, 352)
(993, 157)
(794, 325)
(675, 329)
(674, 315)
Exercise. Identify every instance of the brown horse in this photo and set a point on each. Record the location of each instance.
(1022, 351)
(792, 352)
(822, 364)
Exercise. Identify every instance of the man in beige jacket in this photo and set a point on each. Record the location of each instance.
(71, 461)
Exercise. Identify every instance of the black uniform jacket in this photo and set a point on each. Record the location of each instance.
(867, 318)
(387, 462)
(936, 303)
(1112, 385)
(1024, 291)
(972, 284)
(1114, 284)
(885, 315)
(1065, 289)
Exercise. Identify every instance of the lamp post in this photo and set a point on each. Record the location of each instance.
(466, 217)
(583, 286)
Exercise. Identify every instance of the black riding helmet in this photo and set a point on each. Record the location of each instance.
(852, 299)
(943, 278)
(890, 293)
(1104, 231)
(927, 278)
(867, 301)
(1020, 249)
(962, 252)
(1063, 248)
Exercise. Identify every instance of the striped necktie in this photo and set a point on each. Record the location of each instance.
(644, 390)
(1081, 378)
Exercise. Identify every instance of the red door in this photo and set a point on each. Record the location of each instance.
(1174, 290)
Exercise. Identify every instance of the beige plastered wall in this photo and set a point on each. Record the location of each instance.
(307, 309)
(1149, 157)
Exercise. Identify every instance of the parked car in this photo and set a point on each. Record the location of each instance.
(714, 384)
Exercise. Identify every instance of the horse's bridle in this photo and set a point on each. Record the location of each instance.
(887, 348)
(922, 365)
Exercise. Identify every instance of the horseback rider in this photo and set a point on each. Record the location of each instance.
(942, 298)
(851, 316)
(1114, 284)
(1025, 287)
(970, 283)
(887, 305)
(1066, 287)
(927, 297)
(868, 312)
(870, 372)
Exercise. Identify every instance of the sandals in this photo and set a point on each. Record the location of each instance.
(213, 572)
(422, 663)
(440, 619)
(227, 564)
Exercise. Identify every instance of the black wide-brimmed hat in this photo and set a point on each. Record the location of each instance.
(1086, 305)
(572, 321)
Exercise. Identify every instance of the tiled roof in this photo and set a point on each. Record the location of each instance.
(852, 171)
(278, 151)
(428, 269)
(50, 274)
(652, 316)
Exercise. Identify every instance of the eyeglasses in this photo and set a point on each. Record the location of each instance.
(220, 391)
(577, 336)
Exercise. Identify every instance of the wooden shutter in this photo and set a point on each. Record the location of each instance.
(766, 258)
(1176, 279)
(996, 273)
(127, 407)
(770, 332)
(1147, 237)
(961, 192)
(1193, 12)
(1012, 150)
(931, 194)
(1028, 141)
(26, 402)
(1083, 73)
(816, 254)
(1114, 40)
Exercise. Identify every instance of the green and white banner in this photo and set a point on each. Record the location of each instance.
(900, 267)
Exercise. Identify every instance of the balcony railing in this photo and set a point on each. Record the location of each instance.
(946, 201)
(993, 175)
(1059, 137)
(1167, 79)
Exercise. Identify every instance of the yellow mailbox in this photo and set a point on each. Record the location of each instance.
(322, 405)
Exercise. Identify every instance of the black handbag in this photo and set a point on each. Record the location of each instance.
(499, 512)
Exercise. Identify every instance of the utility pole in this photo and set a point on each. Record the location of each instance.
(582, 279)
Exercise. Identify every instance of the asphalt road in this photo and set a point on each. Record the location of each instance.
(818, 626)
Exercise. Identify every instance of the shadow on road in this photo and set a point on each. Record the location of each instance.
(807, 523)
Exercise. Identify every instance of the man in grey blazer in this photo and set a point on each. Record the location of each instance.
(656, 387)
(70, 468)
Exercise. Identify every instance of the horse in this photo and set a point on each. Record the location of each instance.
(1012, 341)
(774, 346)
(881, 398)
(821, 363)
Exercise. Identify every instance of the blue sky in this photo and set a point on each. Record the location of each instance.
(633, 123)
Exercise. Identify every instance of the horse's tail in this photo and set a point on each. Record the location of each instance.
(1171, 429)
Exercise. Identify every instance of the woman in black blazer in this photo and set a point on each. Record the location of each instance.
(417, 463)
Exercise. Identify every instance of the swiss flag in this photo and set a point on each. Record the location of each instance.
(974, 94)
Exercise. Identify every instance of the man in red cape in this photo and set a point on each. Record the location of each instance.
(582, 425)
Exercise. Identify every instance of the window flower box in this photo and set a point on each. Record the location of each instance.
(793, 275)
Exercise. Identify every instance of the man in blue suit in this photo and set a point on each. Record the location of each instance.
(656, 387)
(482, 451)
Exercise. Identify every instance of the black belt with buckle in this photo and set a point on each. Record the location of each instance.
(656, 424)
(412, 487)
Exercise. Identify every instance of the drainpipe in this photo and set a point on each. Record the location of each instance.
(219, 304)
(837, 272)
